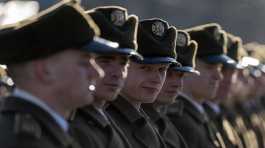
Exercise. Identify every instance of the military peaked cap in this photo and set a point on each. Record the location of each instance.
(233, 45)
(117, 26)
(156, 41)
(187, 50)
(212, 42)
(62, 26)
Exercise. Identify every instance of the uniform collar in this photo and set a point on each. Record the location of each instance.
(96, 115)
(215, 107)
(151, 112)
(194, 111)
(22, 94)
(127, 109)
(197, 105)
(102, 112)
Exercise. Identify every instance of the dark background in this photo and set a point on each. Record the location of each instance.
(244, 18)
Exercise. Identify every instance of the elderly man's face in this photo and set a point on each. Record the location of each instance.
(74, 73)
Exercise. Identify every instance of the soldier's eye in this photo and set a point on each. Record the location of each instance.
(84, 63)
(124, 62)
(163, 69)
(146, 68)
(103, 61)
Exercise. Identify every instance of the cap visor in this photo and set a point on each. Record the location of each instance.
(128, 51)
(100, 46)
(158, 60)
(186, 69)
(233, 65)
(218, 59)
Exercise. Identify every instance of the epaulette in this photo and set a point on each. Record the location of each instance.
(230, 131)
(26, 125)
(176, 108)
(255, 119)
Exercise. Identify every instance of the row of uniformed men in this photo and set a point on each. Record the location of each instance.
(99, 78)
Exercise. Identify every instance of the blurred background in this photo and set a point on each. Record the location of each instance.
(245, 18)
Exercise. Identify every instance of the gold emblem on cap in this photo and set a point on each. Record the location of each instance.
(117, 17)
(181, 40)
(158, 28)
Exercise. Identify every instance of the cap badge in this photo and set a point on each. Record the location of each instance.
(182, 40)
(118, 17)
(158, 28)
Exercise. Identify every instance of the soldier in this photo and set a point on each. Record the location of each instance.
(259, 53)
(91, 122)
(249, 108)
(212, 106)
(156, 42)
(186, 51)
(240, 88)
(192, 121)
(53, 69)
(241, 105)
(257, 72)
(258, 110)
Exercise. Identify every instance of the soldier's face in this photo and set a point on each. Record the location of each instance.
(241, 89)
(260, 83)
(206, 84)
(73, 73)
(172, 86)
(144, 82)
(229, 78)
(116, 70)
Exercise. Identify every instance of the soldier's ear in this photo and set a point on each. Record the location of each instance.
(43, 71)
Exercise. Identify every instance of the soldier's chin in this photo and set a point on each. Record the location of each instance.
(165, 99)
(111, 96)
(150, 99)
(87, 100)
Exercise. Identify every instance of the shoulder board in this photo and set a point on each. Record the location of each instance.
(26, 125)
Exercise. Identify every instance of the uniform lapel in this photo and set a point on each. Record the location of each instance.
(119, 131)
(19, 105)
(93, 114)
(141, 129)
(161, 125)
